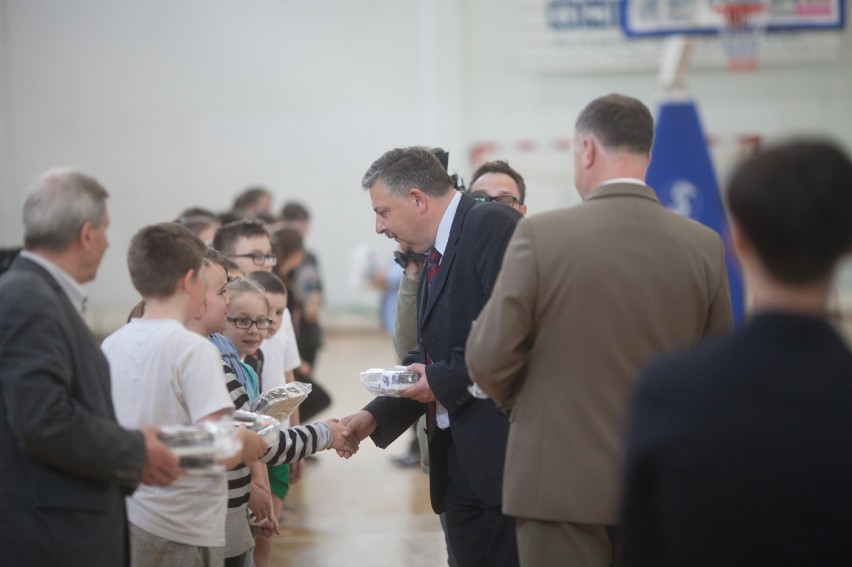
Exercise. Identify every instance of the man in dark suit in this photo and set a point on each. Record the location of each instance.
(416, 204)
(739, 452)
(65, 464)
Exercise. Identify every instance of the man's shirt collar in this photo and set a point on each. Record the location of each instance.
(443, 236)
(75, 292)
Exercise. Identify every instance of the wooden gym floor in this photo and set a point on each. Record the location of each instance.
(365, 511)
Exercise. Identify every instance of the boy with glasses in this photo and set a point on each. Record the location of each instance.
(247, 243)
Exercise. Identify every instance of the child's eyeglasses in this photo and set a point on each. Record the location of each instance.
(246, 323)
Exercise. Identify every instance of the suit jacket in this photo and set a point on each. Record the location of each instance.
(65, 464)
(740, 453)
(469, 266)
(586, 296)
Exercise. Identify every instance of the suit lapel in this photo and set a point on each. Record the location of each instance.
(446, 259)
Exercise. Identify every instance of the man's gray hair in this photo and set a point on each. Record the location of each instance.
(402, 169)
(58, 205)
(618, 122)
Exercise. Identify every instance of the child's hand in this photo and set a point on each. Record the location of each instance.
(340, 442)
(254, 446)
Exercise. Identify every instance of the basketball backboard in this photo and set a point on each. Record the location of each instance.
(642, 18)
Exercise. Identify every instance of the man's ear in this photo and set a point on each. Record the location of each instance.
(421, 200)
(590, 152)
(84, 237)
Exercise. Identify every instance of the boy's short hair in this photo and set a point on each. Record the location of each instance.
(216, 258)
(228, 234)
(239, 286)
(269, 282)
(250, 196)
(160, 255)
(294, 211)
(197, 212)
(285, 242)
(793, 202)
(230, 266)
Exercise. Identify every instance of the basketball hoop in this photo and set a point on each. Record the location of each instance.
(743, 26)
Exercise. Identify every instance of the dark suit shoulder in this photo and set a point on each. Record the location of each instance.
(483, 212)
(27, 285)
(776, 360)
(491, 220)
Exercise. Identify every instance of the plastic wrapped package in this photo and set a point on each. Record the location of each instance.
(388, 382)
(281, 401)
(265, 426)
(200, 446)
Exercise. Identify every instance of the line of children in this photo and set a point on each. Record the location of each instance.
(247, 301)
(164, 373)
(247, 245)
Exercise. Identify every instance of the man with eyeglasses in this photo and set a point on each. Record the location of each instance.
(497, 181)
(247, 243)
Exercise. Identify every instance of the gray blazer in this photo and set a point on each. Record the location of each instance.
(65, 463)
(586, 296)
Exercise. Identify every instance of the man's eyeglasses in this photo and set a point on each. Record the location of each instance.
(258, 258)
(246, 323)
(504, 199)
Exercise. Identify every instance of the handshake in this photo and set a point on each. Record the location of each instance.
(163, 465)
(343, 440)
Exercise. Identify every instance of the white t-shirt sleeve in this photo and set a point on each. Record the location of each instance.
(291, 351)
(273, 362)
(199, 378)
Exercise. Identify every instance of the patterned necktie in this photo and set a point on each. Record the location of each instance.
(434, 263)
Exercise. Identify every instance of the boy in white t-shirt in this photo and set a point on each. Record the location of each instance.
(164, 374)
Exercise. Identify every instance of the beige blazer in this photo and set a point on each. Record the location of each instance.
(585, 297)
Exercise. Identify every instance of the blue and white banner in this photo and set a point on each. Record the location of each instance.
(682, 175)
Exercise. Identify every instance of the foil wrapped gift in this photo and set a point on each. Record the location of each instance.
(265, 426)
(388, 382)
(201, 445)
(281, 401)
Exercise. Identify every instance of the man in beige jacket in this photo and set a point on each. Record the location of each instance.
(585, 297)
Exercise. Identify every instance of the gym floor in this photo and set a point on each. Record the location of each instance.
(366, 510)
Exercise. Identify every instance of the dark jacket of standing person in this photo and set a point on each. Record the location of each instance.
(65, 463)
(739, 451)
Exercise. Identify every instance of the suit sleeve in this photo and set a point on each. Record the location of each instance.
(41, 403)
(501, 338)
(393, 417)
